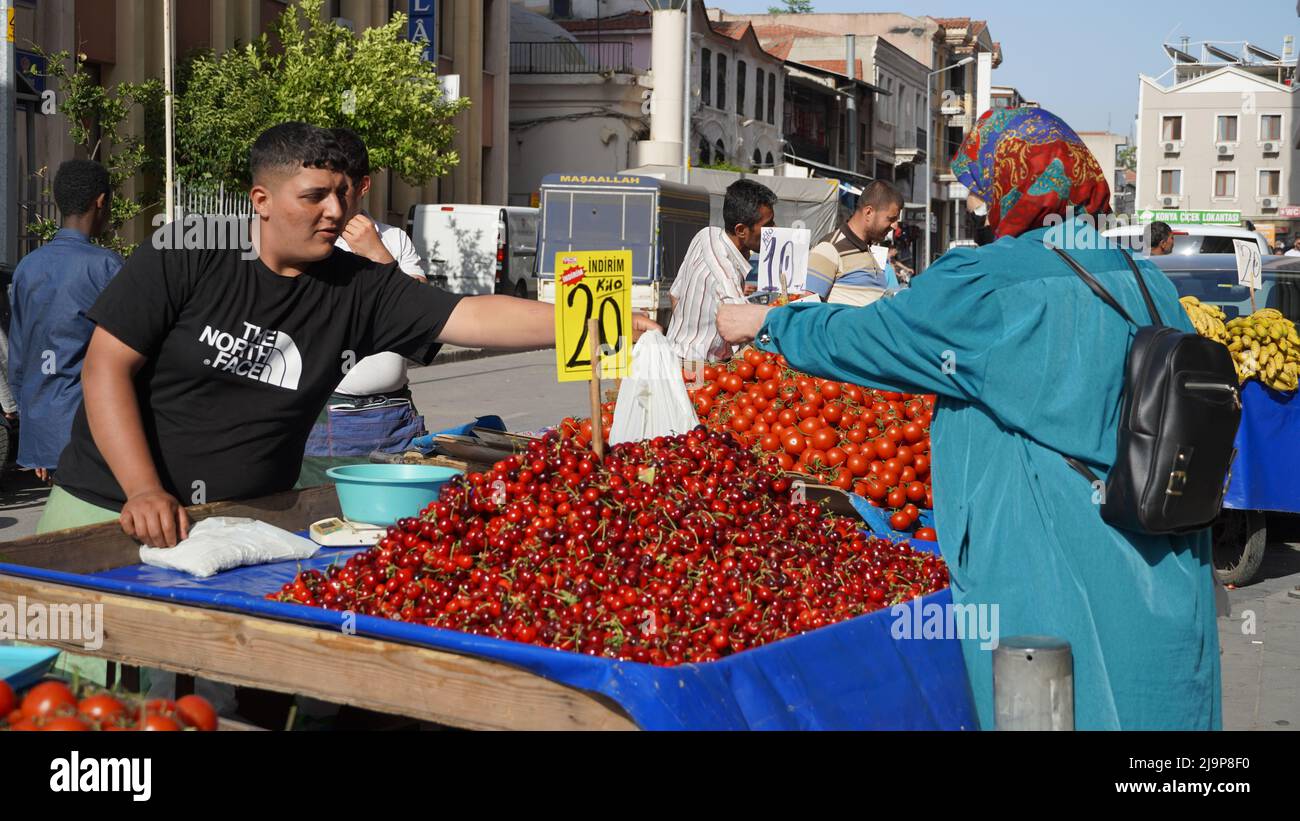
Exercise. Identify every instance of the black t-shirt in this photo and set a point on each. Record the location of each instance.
(241, 361)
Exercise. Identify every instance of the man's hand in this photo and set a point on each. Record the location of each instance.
(364, 240)
(739, 324)
(643, 324)
(155, 519)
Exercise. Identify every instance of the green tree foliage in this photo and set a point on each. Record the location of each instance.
(374, 83)
(792, 7)
(97, 121)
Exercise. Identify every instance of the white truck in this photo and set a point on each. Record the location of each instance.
(477, 249)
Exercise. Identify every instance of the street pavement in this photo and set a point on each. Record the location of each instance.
(1260, 638)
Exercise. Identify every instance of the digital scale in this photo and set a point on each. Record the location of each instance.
(336, 532)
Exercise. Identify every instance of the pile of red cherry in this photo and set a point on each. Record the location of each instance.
(673, 550)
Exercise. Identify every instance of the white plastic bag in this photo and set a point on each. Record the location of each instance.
(652, 401)
(222, 543)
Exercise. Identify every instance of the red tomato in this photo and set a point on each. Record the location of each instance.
(755, 357)
(766, 371)
(197, 712)
(922, 465)
(744, 370)
(833, 414)
(8, 701)
(836, 457)
(886, 449)
(824, 439)
(857, 464)
(794, 444)
(912, 510)
(876, 489)
(153, 722)
(858, 436)
(907, 475)
(913, 433)
(770, 443)
(830, 390)
(741, 423)
(900, 521)
(896, 499)
(101, 708)
(808, 411)
(915, 492)
(810, 426)
(65, 724)
(926, 534)
(785, 460)
(905, 455)
(46, 698)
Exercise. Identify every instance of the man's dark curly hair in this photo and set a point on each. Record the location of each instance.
(76, 185)
(290, 147)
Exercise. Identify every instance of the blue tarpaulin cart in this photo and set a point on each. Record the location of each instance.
(859, 674)
(1265, 478)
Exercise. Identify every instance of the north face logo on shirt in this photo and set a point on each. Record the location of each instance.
(264, 355)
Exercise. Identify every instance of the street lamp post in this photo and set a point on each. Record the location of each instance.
(924, 262)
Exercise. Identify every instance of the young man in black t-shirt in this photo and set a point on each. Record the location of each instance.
(207, 369)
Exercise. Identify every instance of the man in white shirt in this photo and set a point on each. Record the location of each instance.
(1295, 249)
(371, 409)
(714, 270)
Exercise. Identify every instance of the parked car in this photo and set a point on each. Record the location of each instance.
(1197, 239)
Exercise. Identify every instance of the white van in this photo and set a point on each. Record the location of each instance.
(1196, 239)
(477, 249)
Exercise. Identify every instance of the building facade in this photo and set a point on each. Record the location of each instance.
(1220, 137)
(123, 42)
(583, 94)
(958, 95)
(1107, 148)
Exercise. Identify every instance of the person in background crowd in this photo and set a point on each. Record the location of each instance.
(1162, 239)
(842, 268)
(371, 409)
(1029, 365)
(714, 269)
(53, 288)
(1295, 249)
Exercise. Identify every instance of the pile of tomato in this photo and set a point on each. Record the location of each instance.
(869, 442)
(53, 706)
(673, 550)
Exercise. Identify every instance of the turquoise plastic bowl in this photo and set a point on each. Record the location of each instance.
(382, 494)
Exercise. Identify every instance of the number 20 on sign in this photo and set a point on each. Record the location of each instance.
(593, 285)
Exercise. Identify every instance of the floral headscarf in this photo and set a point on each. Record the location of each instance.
(1027, 164)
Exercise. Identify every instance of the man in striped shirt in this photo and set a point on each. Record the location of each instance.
(714, 270)
(842, 269)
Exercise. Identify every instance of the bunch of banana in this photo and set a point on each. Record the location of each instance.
(1207, 319)
(1265, 346)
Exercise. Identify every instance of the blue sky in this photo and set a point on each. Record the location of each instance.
(1084, 65)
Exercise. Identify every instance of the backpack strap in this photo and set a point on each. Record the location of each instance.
(1081, 469)
(1142, 284)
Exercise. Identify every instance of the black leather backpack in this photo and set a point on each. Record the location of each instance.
(1178, 423)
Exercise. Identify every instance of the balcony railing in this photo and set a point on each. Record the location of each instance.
(570, 58)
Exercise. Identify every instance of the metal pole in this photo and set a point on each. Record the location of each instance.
(686, 99)
(1033, 684)
(8, 146)
(169, 81)
(924, 262)
(851, 65)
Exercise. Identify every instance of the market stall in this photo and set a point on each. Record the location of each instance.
(842, 670)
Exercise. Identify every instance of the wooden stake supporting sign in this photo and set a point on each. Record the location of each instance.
(597, 425)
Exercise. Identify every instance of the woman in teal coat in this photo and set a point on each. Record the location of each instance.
(1028, 366)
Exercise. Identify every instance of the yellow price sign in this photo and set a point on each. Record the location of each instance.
(10, 24)
(593, 285)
